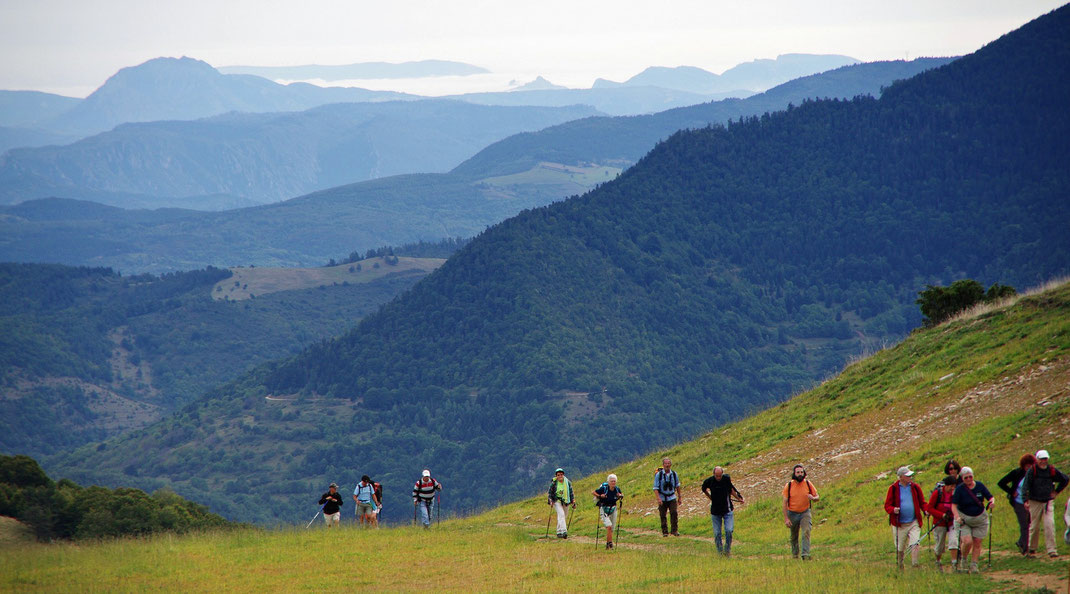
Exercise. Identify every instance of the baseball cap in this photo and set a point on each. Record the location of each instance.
(335, 485)
(904, 471)
(1042, 454)
(561, 470)
(427, 472)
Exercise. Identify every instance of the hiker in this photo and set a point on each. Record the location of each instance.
(607, 497)
(667, 489)
(332, 504)
(951, 469)
(1040, 486)
(560, 497)
(969, 511)
(423, 496)
(366, 502)
(799, 495)
(939, 508)
(1011, 484)
(719, 490)
(904, 505)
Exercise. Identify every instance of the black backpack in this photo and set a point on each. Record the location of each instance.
(378, 492)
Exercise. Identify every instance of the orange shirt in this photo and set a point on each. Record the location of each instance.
(798, 502)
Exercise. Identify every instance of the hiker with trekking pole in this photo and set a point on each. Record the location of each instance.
(939, 507)
(969, 504)
(952, 470)
(667, 489)
(721, 493)
(606, 498)
(1011, 483)
(799, 495)
(423, 498)
(904, 503)
(331, 504)
(560, 497)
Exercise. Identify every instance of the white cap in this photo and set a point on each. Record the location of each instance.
(1043, 454)
(427, 472)
(904, 471)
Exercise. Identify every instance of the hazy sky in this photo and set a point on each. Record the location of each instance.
(72, 46)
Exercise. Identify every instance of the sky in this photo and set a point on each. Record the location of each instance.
(72, 46)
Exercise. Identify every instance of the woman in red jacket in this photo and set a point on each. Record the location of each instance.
(939, 508)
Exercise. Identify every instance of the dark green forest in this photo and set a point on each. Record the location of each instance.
(728, 268)
(63, 322)
(66, 510)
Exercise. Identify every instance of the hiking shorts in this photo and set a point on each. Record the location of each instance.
(608, 515)
(333, 519)
(975, 526)
(365, 509)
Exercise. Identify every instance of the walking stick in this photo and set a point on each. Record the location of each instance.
(897, 544)
(597, 525)
(620, 514)
(551, 514)
(414, 504)
(315, 516)
(438, 507)
(991, 525)
(571, 513)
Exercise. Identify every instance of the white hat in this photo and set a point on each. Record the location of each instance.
(1043, 454)
(427, 472)
(904, 471)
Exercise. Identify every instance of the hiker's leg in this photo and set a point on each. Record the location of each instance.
(717, 520)
(914, 542)
(805, 525)
(796, 521)
(662, 508)
(939, 541)
(729, 525)
(425, 513)
(1022, 513)
(562, 517)
(1048, 520)
(898, 536)
(1036, 510)
(674, 506)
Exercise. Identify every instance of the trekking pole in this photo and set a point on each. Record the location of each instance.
(897, 544)
(414, 504)
(438, 507)
(620, 518)
(550, 515)
(991, 525)
(597, 526)
(315, 516)
(571, 513)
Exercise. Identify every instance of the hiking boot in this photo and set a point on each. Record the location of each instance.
(664, 534)
(565, 535)
(676, 534)
(609, 545)
(1053, 555)
(973, 568)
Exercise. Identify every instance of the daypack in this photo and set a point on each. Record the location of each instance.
(378, 492)
(1036, 471)
(598, 501)
(671, 479)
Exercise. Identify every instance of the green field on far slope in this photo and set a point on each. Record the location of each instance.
(984, 389)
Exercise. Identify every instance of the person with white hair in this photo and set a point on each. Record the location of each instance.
(968, 505)
(606, 498)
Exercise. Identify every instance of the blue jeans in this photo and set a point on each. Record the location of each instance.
(728, 523)
(426, 511)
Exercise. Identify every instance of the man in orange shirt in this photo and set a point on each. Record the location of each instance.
(799, 493)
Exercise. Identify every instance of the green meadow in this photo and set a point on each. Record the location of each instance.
(984, 389)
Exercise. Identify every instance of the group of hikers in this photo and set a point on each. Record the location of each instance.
(957, 508)
(368, 499)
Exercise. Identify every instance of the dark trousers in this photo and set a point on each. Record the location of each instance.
(671, 507)
(1022, 512)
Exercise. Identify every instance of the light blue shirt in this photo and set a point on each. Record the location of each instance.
(906, 505)
(364, 492)
(666, 482)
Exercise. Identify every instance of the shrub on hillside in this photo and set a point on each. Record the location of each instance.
(938, 304)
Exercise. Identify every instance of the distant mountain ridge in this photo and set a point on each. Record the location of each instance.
(754, 76)
(360, 70)
(263, 158)
(188, 89)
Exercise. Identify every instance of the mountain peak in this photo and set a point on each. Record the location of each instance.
(539, 84)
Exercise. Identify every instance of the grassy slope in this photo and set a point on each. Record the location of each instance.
(1008, 395)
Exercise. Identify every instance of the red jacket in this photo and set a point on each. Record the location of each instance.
(891, 501)
(940, 508)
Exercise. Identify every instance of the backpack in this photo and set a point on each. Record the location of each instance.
(599, 502)
(809, 487)
(672, 478)
(378, 492)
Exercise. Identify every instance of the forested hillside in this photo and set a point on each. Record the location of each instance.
(388, 211)
(86, 353)
(712, 278)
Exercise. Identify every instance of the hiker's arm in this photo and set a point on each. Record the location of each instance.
(812, 493)
(787, 520)
(1061, 481)
(955, 512)
(1007, 482)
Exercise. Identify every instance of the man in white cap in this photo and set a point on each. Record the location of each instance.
(904, 504)
(423, 497)
(1041, 485)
